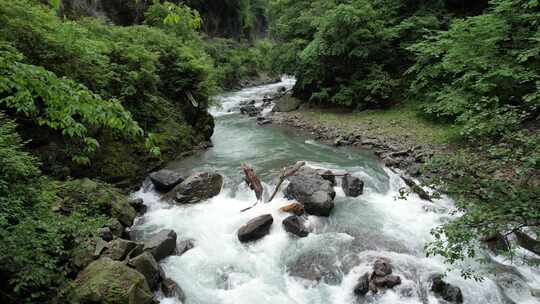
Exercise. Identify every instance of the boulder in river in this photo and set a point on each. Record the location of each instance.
(198, 187)
(184, 246)
(172, 290)
(255, 228)
(147, 265)
(161, 245)
(362, 286)
(250, 110)
(108, 281)
(164, 180)
(352, 186)
(446, 291)
(316, 267)
(295, 225)
(313, 191)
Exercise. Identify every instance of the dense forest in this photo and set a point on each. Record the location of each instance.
(96, 94)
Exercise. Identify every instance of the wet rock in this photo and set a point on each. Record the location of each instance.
(388, 281)
(286, 104)
(362, 286)
(184, 246)
(116, 227)
(108, 281)
(172, 290)
(119, 249)
(295, 225)
(250, 110)
(316, 267)
(390, 162)
(138, 205)
(294, 208)
(255, 228)
(105, 234)
(416, 188)
(382, 267)
(352, 186)
(261, 121)
(164, 180)
(147, 265)
(446, 291)
(314, 192)
(161, 245)
(535, 292)
(327, 175)
(198, 187)
(527, 242)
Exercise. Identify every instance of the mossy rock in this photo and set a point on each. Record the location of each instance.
(106, 282)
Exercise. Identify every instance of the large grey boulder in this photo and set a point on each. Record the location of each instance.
(255, 228)
(198, 187)
(106, 281)
(286, 103)
(165, 180)
(162, 244)
(312, 191)
(446, 291)
(295, 225)
(147, 265)
(352, 186)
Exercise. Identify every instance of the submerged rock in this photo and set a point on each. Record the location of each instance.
(172, 290)
(198, 187)
(165, 180)
(446, 291)
(313, 191)
(161, 245)
(362, 286)
(106, 281)
(184, 246)
(295, 225)
(255, 228)
(316, 267)
(352, 186)
(250, 110)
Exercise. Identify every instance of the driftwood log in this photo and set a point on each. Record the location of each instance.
(253, 182)
(286, 172)
(416, 188)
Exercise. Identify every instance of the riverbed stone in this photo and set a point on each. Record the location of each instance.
(164, 180)
(119, 249)
(362, 286)
(147, 265)
(184, 246)
(107, 281)
(316, 267)
(352, 186)
(446, 291)
(382, 267)
(255, 229)
(198, 187)
(162, 244)
(138, 205)
(172, 290)
(295, 225)
(311, 190)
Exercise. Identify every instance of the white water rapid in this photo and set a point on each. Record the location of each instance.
(219, 269)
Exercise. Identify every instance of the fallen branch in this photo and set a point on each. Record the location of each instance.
(286, 172)
(254, 184)
(416, 188)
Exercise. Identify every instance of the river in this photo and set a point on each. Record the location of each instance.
(377, 224)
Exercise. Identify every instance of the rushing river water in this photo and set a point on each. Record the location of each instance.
(222, 270)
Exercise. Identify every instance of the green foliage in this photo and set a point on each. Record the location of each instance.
(483, 72)
(178, 18)
(348, 53)
(34, 241)
(119, 80)
(235, 61)
(59, 104)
